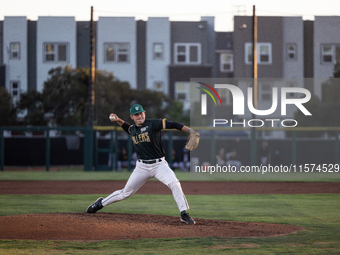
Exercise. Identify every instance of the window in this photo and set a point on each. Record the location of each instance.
(264, 53)
(15, 89)
(327, 54)
(158, 51)
(122, 52)
(55, 52)
(184, 94)
(158, 85)
(291, 51)
(14, 50)
(291, 84)
(182, 91)
(116, 52)
(110, 52)
(187, 53)
(225, 96)
(226, 62)
(266, 93)
(249, 53)
(330, 54)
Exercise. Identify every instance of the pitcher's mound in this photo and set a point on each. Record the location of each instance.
(116, 226)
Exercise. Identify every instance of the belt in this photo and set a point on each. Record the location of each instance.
(153, 161)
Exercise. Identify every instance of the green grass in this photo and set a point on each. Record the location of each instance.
(63, 176)
(317, 213)
(78, 174)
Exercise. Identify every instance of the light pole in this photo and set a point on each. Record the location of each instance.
(253, 148)
(92, 75)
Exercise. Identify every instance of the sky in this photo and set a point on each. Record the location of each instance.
(176, 10)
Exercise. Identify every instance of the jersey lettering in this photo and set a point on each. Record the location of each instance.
(141, 138)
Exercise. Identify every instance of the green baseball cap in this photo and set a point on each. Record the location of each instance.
(136, 108)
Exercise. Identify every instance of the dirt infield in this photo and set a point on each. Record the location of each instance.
(116, 226)
(109, 226)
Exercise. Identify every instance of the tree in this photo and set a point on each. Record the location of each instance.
(65, 96)
(315, 106)
(330, 105)
(325, 113)
(7, 109)
(64, 100)
(111, 96)
(115, 96)
(155, 103)
(177, 113)
(32, 102)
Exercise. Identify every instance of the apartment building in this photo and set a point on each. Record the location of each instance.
(163, 55)
(56, 46)
(224, 55)
(116, 48)
(326, 53)
(158, 54)
(15, 55)
(279, 57)
(191, 57)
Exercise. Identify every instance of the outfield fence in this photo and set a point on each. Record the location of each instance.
(92, 144)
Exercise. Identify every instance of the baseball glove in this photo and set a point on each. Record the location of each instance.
(193, 140)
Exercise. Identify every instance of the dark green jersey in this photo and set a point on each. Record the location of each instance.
(147, 139)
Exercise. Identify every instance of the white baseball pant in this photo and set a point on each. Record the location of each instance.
(143, 172)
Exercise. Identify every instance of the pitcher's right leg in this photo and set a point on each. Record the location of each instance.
(138, 177)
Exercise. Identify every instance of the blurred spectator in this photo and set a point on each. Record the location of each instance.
(276, 159)
(264, 153)
(184, 164)
(232, 148)
(231, 155)
(175, 160)
(220, 157)
(123, 159)
(233, 160)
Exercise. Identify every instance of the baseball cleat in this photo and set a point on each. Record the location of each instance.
(95, 206)
(187, 219)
